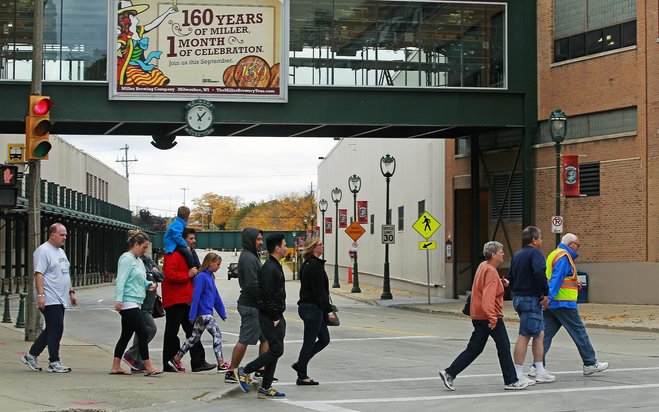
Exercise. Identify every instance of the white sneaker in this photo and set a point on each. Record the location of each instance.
(532, 372)
(515, 386)
(529, 382)
(597, 367)
(31, 361)
(544, 377)
(58, 367)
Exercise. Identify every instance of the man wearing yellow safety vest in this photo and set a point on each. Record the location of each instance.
(562, 309)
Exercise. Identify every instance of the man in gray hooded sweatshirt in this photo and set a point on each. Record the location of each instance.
(248, 270)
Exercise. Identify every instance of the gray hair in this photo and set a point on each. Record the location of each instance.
(490, 248)
(529, 234)
(569, 238)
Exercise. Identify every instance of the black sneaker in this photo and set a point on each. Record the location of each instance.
(258, 377)
(204, 367)
(229, 377)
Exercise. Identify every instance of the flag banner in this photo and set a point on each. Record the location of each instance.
(571, 175)
(328, 225)
(316, 231)
(362, 211)
(343, 217)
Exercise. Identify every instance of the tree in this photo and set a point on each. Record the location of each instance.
(213, 211)
(148, 221)
(283, 213)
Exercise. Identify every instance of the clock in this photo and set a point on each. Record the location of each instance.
(199, 118)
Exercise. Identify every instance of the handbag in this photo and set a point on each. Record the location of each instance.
(336, 321)
(466, 310)
(158, 310)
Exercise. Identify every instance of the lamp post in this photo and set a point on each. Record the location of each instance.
(184, 189)
(322, 206)
(558, 130)
(355, 184)
(295, 251)
(336, 198)
(305, 220)
(387, 167)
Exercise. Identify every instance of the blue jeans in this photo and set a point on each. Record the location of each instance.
(52, 335)
(571, 321)
(530, 315)
(477, 344)
(316, 335)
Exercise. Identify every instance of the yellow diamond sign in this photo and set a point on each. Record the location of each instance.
(426, 225)
(355, 231)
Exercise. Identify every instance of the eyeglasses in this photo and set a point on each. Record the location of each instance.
(578, 244)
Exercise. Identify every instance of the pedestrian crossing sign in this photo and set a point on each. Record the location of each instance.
(426, 225)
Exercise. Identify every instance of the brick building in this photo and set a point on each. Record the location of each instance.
(599, 62)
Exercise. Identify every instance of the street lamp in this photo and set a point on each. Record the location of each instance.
(312, 219)
(305, 220)
(295, 251)
(322, 206)
(336, 198)
(355, 184)
(387, 167)
(558, 130)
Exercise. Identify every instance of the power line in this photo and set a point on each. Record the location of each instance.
(223, 176)
(125, 160)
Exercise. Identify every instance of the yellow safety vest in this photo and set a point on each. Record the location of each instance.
(569, 290)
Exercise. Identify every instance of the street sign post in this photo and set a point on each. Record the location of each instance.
(388, 234)
(426, 225)
(557, 224)
(355, 231)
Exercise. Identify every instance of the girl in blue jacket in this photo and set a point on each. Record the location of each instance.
(204, 298)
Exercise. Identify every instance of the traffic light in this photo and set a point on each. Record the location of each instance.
(37, 127)
(8, 185)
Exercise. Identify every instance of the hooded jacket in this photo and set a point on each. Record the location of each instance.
(248, 269)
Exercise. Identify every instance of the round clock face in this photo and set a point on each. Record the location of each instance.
(200, 118)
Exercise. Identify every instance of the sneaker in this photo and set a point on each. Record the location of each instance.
(532, 372)
(31, 361)
(242, 378)
(515, 386)
(529, 382)
(447, 379)
(597, 367)
(270, 393)
(131, 363)
(226, 366)
(174, 364)
(258, 377)
(229, 377)
(58, 367)
(544, 377)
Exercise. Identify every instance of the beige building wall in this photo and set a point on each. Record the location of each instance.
(419, 176)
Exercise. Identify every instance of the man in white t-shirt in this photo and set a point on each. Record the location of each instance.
(54, 295)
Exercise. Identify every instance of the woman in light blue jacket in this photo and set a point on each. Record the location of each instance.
(130, 290)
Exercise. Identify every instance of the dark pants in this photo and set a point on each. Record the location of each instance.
(52, 334)
(316, 335)
(177, 316)
(133, 352)
(132, 322)
(477, 344)
(275, 337)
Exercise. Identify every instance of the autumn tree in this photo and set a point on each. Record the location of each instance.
(282, 213)
(213, 211)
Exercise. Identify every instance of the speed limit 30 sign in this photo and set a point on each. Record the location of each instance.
(388, 234)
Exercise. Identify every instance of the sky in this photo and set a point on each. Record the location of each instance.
(251, 168)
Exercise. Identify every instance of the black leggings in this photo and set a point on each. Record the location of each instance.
(132, 322)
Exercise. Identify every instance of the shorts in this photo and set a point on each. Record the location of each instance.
(531, 321)
(250, 329)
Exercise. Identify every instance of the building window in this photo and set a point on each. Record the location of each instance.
(579, 16)
(514, 205)
(421, 207)
(372, 224)
(389, 216)
(596, 124)
(595, 41)
(401, 218)
(589, 179)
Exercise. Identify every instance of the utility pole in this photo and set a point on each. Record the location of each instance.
(33, 324)
(125, 160)
(184, 189)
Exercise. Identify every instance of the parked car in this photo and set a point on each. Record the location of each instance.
(232, 271)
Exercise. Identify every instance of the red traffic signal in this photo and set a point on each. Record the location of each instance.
(37, 128)
(8, 176)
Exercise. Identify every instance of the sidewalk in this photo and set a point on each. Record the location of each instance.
(625, 317)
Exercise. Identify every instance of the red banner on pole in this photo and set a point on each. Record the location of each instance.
(362, 211)
(571, 175)
(316, 231)
(328, 225)
(343, 217)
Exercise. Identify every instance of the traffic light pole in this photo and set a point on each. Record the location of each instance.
(33, 323)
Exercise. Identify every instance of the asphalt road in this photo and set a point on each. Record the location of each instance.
(388, 358)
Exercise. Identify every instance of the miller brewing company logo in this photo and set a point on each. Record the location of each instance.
(570, 175)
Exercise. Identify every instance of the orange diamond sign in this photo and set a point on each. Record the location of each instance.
(355, 231)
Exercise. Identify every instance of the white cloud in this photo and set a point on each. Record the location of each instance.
(253, 168)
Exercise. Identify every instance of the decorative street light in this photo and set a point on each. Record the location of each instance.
(295, 251)
(387, 167)
(305, 220)
(355, 184)
(322, 206)
(558, 130)
(312, 219)
(336, 198)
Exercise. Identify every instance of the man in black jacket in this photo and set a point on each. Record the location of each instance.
(249, 265)
(271, 318)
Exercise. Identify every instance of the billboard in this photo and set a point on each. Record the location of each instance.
(218, 50)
